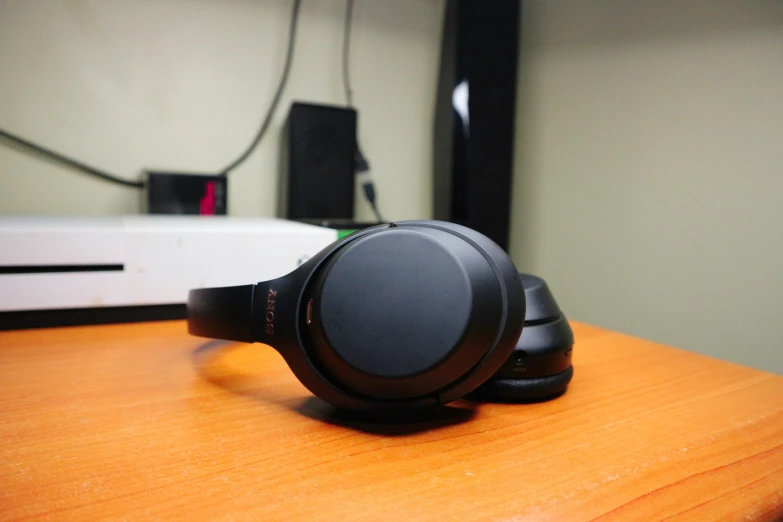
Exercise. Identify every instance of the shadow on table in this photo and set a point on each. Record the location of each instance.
(386, 423)
(206, 357)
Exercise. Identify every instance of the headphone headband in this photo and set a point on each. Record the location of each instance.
(223, 313)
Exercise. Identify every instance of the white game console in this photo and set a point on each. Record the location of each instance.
(55, 263)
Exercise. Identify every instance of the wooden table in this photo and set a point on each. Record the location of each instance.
(143, 422)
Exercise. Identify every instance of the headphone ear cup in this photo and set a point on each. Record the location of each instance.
(406, 313)
(525, 390)
(540, 366)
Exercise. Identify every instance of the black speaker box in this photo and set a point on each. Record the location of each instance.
(475, 116)
(317, 171)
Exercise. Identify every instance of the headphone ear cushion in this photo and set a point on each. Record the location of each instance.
(524, 390)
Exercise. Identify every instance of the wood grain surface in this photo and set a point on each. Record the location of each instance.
(143, 422)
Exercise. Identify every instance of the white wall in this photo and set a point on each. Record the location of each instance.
(175, 85)
(649, 169)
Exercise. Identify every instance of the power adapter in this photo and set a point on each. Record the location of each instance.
(181, 193)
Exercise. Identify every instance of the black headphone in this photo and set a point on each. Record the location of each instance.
(401, 315)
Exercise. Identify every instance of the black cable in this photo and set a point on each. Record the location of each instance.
(376, 211)
(363, 173)
(361, 164)
(60, 158)
(65, 160)
(346, 48)
(280, 88)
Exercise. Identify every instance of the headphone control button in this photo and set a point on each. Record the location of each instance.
(309, 314)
